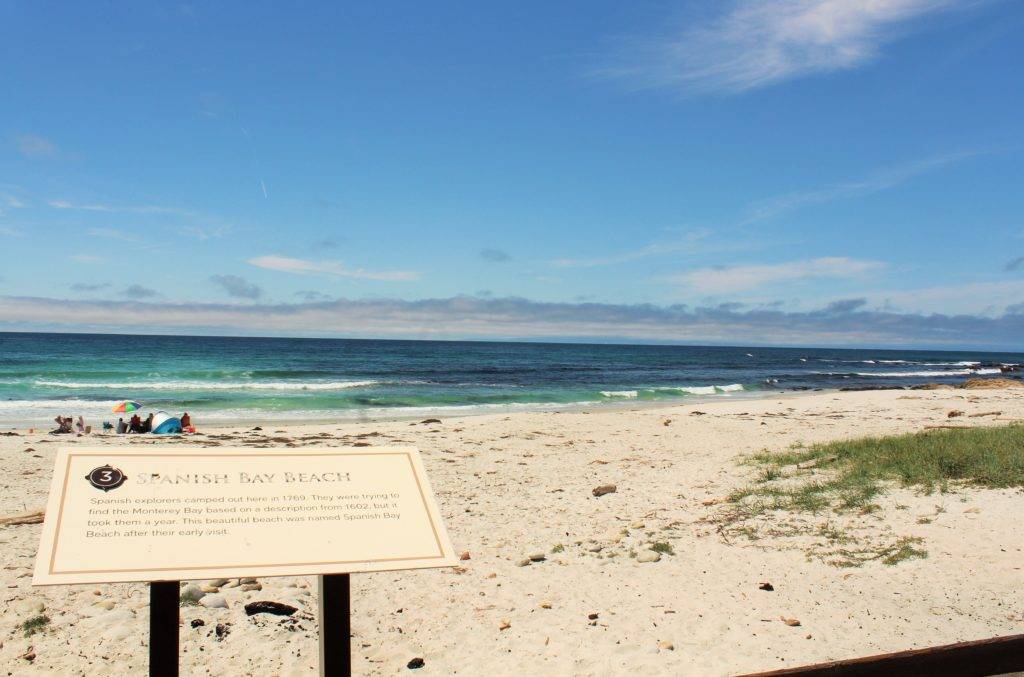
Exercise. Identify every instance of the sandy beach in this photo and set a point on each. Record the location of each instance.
(520, 485)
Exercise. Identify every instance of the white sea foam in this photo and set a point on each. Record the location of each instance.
(206, 385)
(704, 390)
(913, 374)
(620, 393)
(62, 405)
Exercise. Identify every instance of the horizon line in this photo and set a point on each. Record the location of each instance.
(577, 341)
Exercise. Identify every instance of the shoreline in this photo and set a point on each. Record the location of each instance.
(354, 416)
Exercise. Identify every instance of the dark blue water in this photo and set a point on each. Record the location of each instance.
(219, 378)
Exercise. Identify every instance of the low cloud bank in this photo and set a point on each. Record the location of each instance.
(844, 323)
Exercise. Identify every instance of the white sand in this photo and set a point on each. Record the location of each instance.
(510, 486)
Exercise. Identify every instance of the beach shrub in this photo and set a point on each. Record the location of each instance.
(35, 624)
(663, 547)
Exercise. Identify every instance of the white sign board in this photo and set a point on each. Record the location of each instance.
(118, 514)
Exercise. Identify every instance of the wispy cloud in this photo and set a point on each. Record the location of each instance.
(89, 286)
(137, 291)
(286, 264)
(689, 242)
(327, 243)
(110, 234)
(86, 258)
(847, 323)
(236, 286)
(35, 146)
(989, 298)
(732, 279)
(313, 296)
(6, 231)
(495, 255)
(873, 183)
(115, 209)
(745, 45)
(204, 233)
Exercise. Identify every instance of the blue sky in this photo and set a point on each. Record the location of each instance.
(771, 171)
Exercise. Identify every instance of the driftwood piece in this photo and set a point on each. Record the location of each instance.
(31, 517)
(986, 413)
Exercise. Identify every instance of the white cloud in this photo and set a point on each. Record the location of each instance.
(732, 279)
(115, 209)
(10, 232)
(204, 233)
(757, 43)
(86, 258)
(13, 202)
(35, 146)
(333, 268)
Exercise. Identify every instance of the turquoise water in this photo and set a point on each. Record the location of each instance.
(226, 379)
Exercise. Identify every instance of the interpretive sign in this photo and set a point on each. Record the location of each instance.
(118, 514)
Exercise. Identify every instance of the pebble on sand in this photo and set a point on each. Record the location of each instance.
(214, 602)
(648, 556)
(191, 593)
(415, 663)
(604, 489)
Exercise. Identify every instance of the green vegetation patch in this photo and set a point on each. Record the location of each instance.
(856, 470)
(35, 624)
(846, 478)
(663, 547)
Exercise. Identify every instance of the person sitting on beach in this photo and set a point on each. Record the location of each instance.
(147, 425)
(122, 427)
(80, 425)
(136, 424)
(63, 425)
(186, 421)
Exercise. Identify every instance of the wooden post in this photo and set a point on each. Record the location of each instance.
(163, 629)
(335, 626)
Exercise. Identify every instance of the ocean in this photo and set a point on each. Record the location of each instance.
(230, 379)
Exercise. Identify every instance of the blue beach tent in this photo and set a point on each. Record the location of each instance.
(165, 424)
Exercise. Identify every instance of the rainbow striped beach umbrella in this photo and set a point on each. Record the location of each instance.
(127, 407)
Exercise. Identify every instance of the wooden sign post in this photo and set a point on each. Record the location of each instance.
(183, 514)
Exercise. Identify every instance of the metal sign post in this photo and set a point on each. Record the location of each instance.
(163, 628)
(335, 625)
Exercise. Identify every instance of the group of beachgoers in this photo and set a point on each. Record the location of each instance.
(135, 425)
(66, 425)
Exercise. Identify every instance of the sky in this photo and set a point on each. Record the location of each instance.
(769, 172)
